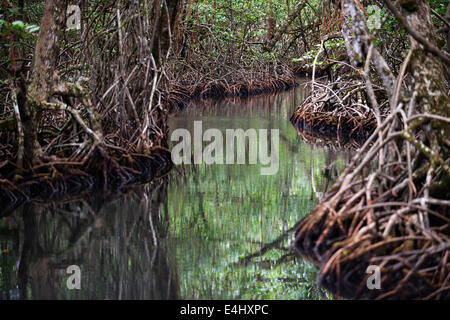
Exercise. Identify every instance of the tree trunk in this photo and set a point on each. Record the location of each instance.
(44, 76)
(167, 13)
(428, 86)
(47, 50)
(283, 29)
(428, 73)
(270, 21)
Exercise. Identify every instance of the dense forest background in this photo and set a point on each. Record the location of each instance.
(130, 59)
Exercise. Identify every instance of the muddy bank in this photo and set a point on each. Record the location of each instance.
(409, 265)
(332, 128)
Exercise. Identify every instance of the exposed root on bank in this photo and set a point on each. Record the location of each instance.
(177, 95)
(389, 210)
(337, 109)
(387, 214)
(106, 172)
(99, 124)
(221, 76)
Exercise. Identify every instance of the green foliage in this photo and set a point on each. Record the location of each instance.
(333, 47)
(439, 5)
(236, 26)
(19, 28)
(16, 34)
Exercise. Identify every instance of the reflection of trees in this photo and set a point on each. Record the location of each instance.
(254, 106)
(119, 245)
(329, 142)
(288, 255)
(278, 244)
(329, 173)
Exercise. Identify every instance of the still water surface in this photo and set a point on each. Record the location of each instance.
(202, 232)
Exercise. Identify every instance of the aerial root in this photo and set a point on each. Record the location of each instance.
(337, 109)
(382, 212)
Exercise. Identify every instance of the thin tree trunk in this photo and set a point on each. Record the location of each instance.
(282, 30)
(270, 21)
(429, 77)
(163, 29)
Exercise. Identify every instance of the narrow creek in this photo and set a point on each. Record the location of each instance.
(203, 232)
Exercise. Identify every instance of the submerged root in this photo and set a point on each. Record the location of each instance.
(315, 137)
(411, 247)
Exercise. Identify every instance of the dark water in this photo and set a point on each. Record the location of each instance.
(203, 232)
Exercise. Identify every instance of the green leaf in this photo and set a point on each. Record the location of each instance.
(20, 25)
(32, 28)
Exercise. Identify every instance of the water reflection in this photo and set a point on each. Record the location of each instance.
(231, 225)
(120, 246)
(204, 232)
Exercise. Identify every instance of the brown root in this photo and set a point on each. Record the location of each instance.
(337, 109)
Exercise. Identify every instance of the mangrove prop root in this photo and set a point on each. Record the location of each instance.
(337, 109)
(387, 214)
(390, 207)
(102, 171)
